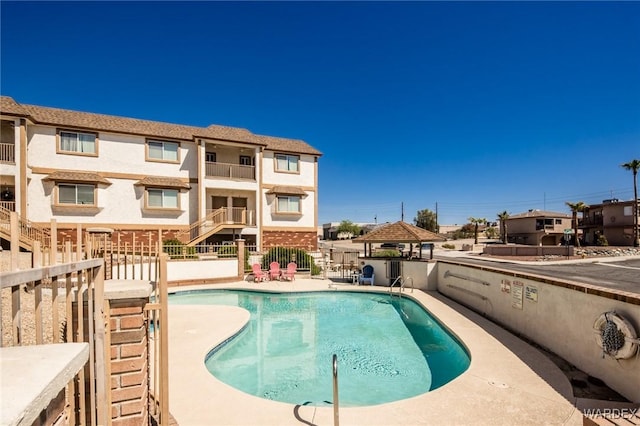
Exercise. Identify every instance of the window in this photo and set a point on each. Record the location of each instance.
(75, 142)
(76, 194)
(245, 160)
(288, 204)
(287, 163)
(210, 157)
(558, 221)
(628, 210)
(162, 198)
(162, 151)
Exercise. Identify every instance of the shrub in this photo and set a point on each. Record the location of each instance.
(176, 249)
(602, 241)
(284, 255)
(387, 253)
(448, 246)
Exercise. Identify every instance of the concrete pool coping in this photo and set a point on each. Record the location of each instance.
(508, 381)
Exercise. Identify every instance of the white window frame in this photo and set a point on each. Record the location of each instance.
(164, 197)
(79, 144)
(289, 199)
(76, 186)
(163, 144)
(288, 158)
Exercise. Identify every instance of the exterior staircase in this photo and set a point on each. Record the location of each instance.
(217, 220)
(29, 232)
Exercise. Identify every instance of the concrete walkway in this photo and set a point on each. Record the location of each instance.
(507, 383)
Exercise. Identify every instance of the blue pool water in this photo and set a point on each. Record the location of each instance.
(388, 348)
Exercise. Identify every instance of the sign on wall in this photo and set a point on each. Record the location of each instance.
(516, 294)
(505, 286)
(531, 293)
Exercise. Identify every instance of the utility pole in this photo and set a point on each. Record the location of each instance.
(437, 226)
(402, 211)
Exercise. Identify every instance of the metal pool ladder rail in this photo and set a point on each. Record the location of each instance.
(336, 415)
(401, 281)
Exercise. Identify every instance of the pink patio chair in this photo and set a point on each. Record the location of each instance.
(274, 270)
(258, 273)
(290, 272)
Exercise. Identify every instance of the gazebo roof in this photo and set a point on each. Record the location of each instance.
(399, 232)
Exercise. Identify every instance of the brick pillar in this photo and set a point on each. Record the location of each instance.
(241, 259)
(129, 369)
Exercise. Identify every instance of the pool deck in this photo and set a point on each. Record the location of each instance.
(508, 382)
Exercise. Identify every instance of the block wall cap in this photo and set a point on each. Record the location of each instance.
(127, 289)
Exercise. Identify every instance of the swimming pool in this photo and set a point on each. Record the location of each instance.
(388, 348)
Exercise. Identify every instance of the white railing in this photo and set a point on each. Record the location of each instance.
(7, 153)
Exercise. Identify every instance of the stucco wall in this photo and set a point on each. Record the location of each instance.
(118, 203)
(560, 318)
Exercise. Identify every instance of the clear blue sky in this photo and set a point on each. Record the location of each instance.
(479, 107)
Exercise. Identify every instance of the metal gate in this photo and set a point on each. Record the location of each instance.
(340, 265)
(394, 270)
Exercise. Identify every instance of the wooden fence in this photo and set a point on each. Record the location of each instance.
(45, 313)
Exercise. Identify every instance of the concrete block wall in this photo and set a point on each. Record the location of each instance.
(129, 362)
(556, 314)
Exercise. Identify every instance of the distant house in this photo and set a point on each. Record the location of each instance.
(537, 227)
(330, 230)
(149, 180)
(613, 219)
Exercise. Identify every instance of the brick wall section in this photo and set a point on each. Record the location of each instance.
(304, 240)
(129, 363)
(126, 236)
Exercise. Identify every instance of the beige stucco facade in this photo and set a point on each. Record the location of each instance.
(537, 227)
(612, 219)
(200, 170)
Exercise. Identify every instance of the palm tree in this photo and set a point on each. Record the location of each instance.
(503, 225)
(476, 222)
(575, 208)
(634, 165)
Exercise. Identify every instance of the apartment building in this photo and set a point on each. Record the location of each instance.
(612, 219)
(537, 227)
(143, 179)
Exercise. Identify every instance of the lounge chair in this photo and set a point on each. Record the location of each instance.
(274, 270)
(367, 275)
(290, 272)
(258, 273)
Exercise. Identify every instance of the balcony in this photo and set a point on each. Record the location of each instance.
(591, 221)
(7, 153)
(230, 171)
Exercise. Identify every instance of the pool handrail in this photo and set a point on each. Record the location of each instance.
(336, 404)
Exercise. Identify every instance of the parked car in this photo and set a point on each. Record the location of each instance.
(426, 249)
(392, 246)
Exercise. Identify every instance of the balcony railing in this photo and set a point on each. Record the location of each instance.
(238, 215)
(7, 153)
(8, 205)
(588, 221)
(231, 171)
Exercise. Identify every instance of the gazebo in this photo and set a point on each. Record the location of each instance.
(398, 232)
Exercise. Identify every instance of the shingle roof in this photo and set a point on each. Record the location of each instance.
(287, 190)
(162, 182)
(69, 176)
(117, 124)
(399, 232)
(539, 213)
